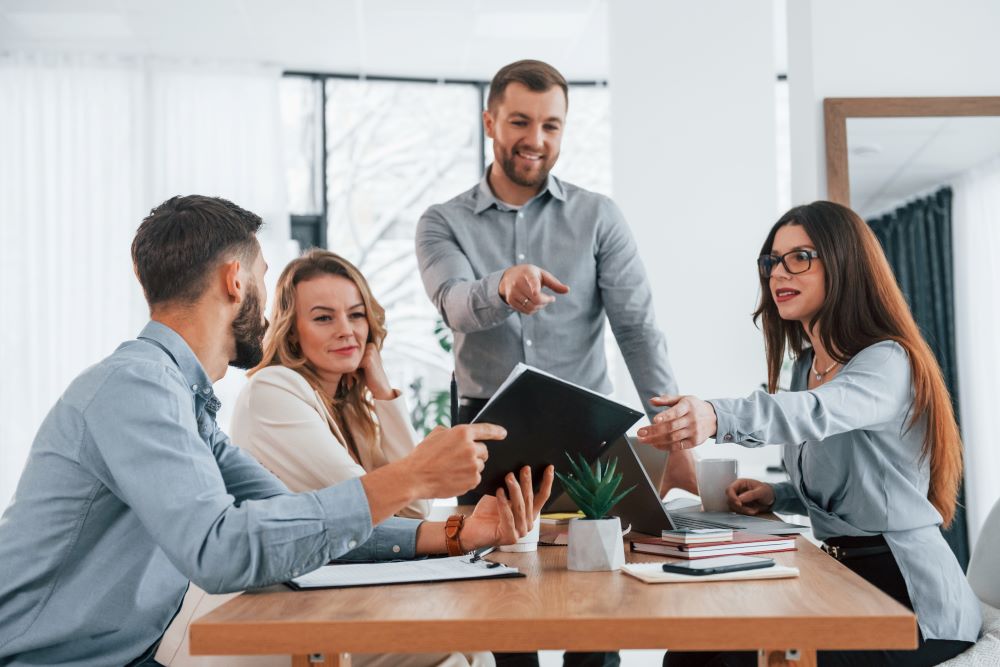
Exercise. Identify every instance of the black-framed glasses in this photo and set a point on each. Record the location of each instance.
(794, 261)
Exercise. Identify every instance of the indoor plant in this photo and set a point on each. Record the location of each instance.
(595, 541)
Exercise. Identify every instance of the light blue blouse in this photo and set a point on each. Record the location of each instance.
(855, 468)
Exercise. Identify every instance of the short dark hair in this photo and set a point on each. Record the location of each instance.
(183, 238)
(533, 74)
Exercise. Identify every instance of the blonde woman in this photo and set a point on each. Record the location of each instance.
(319, 409)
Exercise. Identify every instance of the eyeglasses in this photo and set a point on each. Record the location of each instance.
(795, 261)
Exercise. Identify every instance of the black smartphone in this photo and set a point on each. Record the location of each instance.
(717, 565)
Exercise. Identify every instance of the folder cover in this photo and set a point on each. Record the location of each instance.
(546, 417)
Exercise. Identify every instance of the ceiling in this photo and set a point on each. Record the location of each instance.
(431, 38)
(893, 160)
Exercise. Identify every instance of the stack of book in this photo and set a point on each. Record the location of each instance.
(554, 528)
(706, 543)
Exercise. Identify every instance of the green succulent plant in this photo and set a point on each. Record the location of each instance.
(593, 490)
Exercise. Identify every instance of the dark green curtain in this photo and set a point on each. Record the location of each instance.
(917, 240)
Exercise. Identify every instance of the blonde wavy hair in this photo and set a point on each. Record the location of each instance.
(351, 407)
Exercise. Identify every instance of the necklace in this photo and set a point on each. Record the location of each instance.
(821, 374)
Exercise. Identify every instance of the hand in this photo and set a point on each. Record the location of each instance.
(748, 496)
(508, 516)
(372, 371)
(521, 288)
(688, 423)
(450, 461)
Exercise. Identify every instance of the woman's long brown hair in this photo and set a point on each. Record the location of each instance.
(351, 406)
(863, 306)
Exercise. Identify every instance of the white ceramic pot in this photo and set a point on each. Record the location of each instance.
(595, 545)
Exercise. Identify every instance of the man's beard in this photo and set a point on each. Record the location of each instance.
(248, 330)
(509, 168)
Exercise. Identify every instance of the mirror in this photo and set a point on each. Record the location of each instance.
(883, 151)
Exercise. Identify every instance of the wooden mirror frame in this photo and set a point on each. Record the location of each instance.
(836, 111)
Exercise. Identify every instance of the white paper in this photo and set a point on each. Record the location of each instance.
(397, 572)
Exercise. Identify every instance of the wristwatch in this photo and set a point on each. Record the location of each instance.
(452, 529)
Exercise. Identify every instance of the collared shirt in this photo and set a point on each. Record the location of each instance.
(130, 491)
(465, 245)
(855, 467)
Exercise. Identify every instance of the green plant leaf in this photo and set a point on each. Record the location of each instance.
(617, 499)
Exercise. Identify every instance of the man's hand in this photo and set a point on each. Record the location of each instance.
(450, 461)
(688, 423)
(748, 496)
(521, 288)
(510, 515)
(374, 374)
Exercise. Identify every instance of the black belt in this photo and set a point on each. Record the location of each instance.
(845, 548)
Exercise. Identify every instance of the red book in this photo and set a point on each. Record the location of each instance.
(741, 544)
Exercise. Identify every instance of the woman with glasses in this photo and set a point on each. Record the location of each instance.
(870, 441)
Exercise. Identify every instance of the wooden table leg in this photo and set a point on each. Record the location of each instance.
(787, 658)
(322, 660)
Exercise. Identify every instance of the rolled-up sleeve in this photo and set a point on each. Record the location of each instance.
(152, 458)
(467, 303)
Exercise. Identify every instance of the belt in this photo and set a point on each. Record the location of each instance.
(845, 548)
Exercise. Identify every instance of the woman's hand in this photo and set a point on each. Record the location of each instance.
(508, 516)
(688, 422)
(748, 496)
(374, 374)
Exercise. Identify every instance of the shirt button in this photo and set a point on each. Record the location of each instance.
(729, 437)
(528, 342)
(194, 387)
(352, 544)
(520, 215)
(295, 573)
(520, 255)
(395, 549)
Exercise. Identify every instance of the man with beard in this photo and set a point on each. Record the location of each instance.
(131, 489)
(524, 267)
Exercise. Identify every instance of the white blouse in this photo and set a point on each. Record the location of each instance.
(283, 422)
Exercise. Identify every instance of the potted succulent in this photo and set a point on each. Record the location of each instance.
(595, 541)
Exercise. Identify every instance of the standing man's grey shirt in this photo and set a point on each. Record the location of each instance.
(465, 245)
(130, 490)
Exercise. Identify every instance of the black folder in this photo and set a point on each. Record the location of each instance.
(546, 417)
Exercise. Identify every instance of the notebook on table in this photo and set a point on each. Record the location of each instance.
(741, 544)
(351, 575)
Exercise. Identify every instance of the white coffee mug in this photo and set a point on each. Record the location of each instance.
(714, 477)
(527, 543)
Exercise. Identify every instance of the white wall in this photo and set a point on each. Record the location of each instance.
(859, 48)
(693, 151)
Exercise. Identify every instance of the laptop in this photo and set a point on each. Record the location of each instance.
(645, 512)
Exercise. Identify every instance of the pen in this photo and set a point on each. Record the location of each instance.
(479, 553)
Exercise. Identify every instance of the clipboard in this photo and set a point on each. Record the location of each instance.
(356, 575)
(545, 417)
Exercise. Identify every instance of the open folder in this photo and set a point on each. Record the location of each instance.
(546, 417)
(402, 572)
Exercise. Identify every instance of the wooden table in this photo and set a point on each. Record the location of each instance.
(826, 607)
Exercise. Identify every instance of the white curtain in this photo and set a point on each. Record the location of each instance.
(89, 146)
(976, 238)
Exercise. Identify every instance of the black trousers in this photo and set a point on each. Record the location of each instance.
(881, 571)
(467, 409)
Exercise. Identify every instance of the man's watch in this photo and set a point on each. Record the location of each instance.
(452, 530)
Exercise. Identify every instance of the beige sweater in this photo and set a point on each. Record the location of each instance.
(282, 421)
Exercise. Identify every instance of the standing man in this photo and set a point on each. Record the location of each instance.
(524, 267)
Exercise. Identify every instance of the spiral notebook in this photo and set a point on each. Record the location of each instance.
(351, 575)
